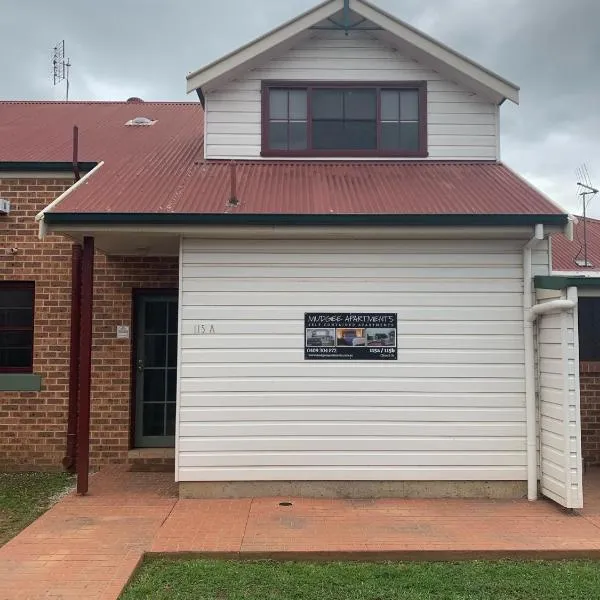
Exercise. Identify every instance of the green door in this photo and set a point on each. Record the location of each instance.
(156, 370)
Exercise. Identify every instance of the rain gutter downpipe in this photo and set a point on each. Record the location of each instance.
(530, 409)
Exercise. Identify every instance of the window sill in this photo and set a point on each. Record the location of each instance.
(20, 382)
(341, 154)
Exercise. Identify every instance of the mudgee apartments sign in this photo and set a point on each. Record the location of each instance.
(350, 336)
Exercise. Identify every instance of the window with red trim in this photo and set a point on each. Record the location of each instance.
(344, 119)
(16, 326)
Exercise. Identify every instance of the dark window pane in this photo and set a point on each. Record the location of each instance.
(278, 135)
(360, 104)
(345, 135)
(361, 135)
(16, 339)
(15, 358)
(327, 104)
(154, 385)
(170, 425)
(16, 298)
(278, 104)
(327, 135)
(154, 419)
(16, 317)
(156, 317)
(589, 328)
(390, 105)
(172, 385)
(155, 350)
(172, 320)
(297, 105)
(409, 136)
(298, 135)
(409, 105)
(172, 351)
(390, 136)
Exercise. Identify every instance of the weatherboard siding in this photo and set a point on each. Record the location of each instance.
(461, 125)
(451, 407)
(559, 426)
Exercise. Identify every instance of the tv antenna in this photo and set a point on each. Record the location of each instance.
(60, 65)
(586, 188)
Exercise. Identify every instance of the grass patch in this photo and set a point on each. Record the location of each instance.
(160, 578)
(25, 496)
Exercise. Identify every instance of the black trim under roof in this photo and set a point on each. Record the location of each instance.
(256, 219)
(43, 167)
(561, 282)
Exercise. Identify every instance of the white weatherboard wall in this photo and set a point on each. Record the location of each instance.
(558, 389)
(452, 407)
(461, 124)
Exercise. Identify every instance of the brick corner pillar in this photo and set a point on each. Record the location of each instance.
(85, 365)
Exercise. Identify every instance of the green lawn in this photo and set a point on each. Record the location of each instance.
(160, 578)
(25, 496)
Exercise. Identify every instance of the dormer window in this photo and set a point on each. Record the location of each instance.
(344, 119)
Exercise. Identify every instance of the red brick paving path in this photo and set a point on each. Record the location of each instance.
(87, 548)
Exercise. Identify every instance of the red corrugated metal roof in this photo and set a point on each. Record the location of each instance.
(565, 253)
(272, 187)
(43, 132)
(160, 169)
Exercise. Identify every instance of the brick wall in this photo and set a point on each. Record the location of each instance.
(33, 424)
(589, 374)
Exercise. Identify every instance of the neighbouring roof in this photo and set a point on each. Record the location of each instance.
(451, 193)
(37, 136)
(391, 30)
(565, 253)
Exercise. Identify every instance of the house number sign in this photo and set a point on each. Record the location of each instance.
(350, 336)
(204, 329)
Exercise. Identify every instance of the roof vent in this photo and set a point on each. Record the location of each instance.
(141, 122)
(134, 100)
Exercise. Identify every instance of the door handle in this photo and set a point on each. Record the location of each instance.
(140, 365)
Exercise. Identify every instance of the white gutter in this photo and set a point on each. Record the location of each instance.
(43, 228)
(530, 411)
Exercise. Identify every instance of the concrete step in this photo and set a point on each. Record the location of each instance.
(155, 460)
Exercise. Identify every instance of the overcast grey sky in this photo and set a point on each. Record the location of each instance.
(122, 48)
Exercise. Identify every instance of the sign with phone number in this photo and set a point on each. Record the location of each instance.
(350, 336)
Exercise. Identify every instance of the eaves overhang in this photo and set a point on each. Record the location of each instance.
(308, 220)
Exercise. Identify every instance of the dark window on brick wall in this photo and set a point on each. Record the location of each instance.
(16, 326)
(589, 329)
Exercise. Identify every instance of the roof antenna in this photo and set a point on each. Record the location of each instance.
(587, 189)
(60, 66)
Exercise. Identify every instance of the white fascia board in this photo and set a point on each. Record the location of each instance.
(244, 57)
(442, 56)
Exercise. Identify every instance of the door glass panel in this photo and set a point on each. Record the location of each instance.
(172, 352)
(154, 385)
(170, 425)
(154, 419)
(172, 318)
(171, 385)
(155, 351)
(156, 317)
(156, 362)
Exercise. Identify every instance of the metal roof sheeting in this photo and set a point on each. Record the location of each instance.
(322, 188)
(160, 169)
(565, 253)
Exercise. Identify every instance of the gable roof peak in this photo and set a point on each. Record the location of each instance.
(385, 26)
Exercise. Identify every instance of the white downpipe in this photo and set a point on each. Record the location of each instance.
(530, 363)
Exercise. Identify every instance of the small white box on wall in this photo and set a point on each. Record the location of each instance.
(4, 207)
